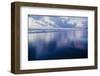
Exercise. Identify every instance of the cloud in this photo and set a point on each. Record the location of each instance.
(48, 20)
(57, 22)
(33, 23)
(44, 22)
(78, 21)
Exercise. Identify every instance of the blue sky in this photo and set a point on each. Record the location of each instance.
(40, 21)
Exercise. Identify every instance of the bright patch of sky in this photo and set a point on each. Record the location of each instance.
(50, 22)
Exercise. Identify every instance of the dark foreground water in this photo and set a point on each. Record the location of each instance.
(61, 44)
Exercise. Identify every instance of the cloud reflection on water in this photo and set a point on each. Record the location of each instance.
(56, 37)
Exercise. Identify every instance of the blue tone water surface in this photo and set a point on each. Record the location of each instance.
(59, 44)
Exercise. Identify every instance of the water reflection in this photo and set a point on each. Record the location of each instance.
(63, 44)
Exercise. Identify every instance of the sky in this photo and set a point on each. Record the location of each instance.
(49, 22)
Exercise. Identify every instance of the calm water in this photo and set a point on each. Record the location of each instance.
(63, 44)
